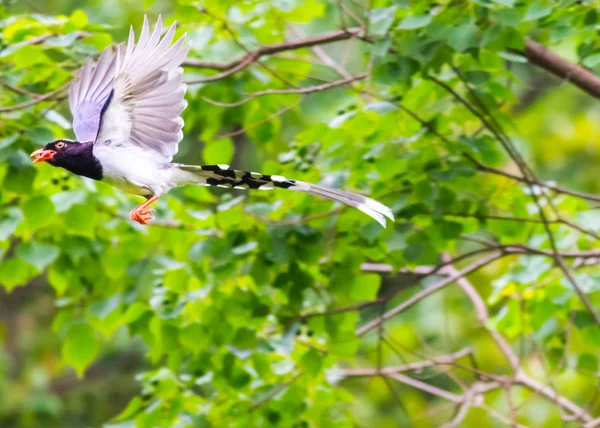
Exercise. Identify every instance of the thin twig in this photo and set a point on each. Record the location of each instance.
(44, 97)
(418, 365)
(310, 89)
(484, 261)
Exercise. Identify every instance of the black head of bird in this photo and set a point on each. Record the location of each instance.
(75, 157)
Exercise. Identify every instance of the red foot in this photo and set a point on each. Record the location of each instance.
(142, 215)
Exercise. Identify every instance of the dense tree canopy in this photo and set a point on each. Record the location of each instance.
(474, 120)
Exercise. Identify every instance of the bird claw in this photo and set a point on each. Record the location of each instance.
(142, 216)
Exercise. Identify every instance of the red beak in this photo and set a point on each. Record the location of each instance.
(42, 155)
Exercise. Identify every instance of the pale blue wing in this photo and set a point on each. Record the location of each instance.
(90, 94)
(148, 98)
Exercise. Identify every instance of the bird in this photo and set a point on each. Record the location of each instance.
(127, 108)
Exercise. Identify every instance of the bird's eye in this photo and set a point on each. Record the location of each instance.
(59, 145)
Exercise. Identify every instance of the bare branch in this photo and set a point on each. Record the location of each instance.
(544, 58)
(557, 189)
(252, 56)
(259, 123)
(426, 387)
(547, 392)
(418, 365)
(484, 261)
(310, 89)
(483, 317)
(45, 97)
(273, 392)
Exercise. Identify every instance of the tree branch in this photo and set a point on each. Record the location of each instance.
(426, 387)
(557, 189)
(310, 89)
(39, 98)
(250, 57)
(546, 59)
(484, 317)
(484, 261)
(547, 392)
(418, 365)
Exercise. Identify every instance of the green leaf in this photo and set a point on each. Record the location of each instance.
(592, 60)
(218, 152)
(39, 212)
(244, 248)
(9, 222)
(134, 312)
(414, 22)
(134, 406)
(78, 19)
(365, 287)
(194, 338)
(509, 3)
(450, 229)
(381, 20)
(312, 362)
(38, 255)
(19, 180)
(371, 231)
(537, 10)
(513, 57)
(80, 347)
(15, 272)
(463, 37)
(587, 362)
(81, 220)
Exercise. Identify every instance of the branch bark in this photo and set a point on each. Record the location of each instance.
(483, 317)
(484, 261)
(252, 56)
(418, 365)
(546, 59)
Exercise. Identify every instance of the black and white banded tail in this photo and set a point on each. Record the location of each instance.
(223, 176)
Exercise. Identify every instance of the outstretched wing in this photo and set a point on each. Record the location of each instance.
(90, 93)
(135, 95)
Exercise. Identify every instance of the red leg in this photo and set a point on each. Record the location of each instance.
(142, 214)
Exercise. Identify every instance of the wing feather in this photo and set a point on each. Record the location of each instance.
(148, 92)
(135, 94)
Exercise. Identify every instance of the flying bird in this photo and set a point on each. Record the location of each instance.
(127, 121)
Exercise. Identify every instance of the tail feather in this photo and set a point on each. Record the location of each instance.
(223, 176)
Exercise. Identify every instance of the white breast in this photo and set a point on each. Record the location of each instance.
(132, 169)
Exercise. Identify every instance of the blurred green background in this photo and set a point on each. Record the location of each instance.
(226, 311)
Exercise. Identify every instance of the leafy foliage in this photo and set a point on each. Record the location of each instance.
(253, 309)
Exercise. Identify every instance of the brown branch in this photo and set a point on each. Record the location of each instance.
(19, 90)
(559, 220)
(483, 317)
(252, 56)
(546, 59)
(45, 97)
(426, 387)
(484, 261)
(326, 59)
(487, 119)
(259, 123)
(418, 365)
(547, 392)
(273, 392)
(557, 189)
(309, 218)
(310, 89)
(246, 62)
(38, 40)
(323, 39)
(524, 249)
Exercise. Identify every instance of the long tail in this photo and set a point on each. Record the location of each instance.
(223, 176)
